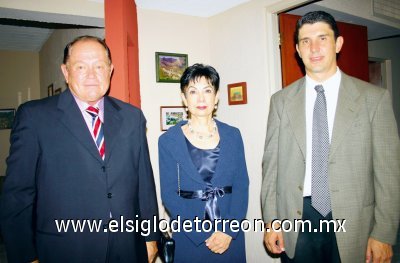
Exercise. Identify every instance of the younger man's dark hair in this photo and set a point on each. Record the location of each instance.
(314, 17)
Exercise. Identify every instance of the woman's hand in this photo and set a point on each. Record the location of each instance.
(218, 242)
(151, 250)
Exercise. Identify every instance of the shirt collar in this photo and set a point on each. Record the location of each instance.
(335, 78)
(84, 105)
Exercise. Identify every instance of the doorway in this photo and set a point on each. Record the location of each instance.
(380, 72)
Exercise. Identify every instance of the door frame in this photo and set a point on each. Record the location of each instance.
(274, 73)
(386, 72)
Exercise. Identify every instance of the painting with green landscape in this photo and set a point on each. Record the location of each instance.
(170, 66)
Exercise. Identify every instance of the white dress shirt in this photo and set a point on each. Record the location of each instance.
(331, 87)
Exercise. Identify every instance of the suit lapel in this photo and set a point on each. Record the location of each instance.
(180, 152)
(112, 125)
(71, 117)
(224, 146)
(296, 114)
(346, 110)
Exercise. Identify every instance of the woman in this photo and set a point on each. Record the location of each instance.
(203, 174)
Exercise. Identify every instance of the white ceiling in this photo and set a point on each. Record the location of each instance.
(375, 30)
(201, 8)
(31, 36)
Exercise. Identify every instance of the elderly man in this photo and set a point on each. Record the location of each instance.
(78, 170)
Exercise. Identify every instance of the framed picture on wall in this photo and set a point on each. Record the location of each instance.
(50, 90)
(170, 66)
(237, 93)
(171, 115)
(6, 118)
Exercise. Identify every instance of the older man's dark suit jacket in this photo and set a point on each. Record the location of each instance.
(54, 171)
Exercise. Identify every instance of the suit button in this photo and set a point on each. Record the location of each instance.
(103, 168)
(300, 188)
(109, 195)
(299, 212)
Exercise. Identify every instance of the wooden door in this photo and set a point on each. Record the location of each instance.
(352, 59)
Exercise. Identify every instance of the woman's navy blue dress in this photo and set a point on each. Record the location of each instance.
(189, 169)
(205, 160)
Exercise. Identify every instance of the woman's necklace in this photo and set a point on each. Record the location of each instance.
(202, 136)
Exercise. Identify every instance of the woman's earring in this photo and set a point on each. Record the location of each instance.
(186, 109)
(216, 106)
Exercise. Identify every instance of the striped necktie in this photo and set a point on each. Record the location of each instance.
(97, 130)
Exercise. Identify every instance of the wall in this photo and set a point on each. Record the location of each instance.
(51, 56)
(18, 72)
(389, 49)
(165, 32)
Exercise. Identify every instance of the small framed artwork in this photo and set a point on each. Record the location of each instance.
(237, 93)
(170, 66)
(171, 115)
(6, 118)
(50, 90)
(57, 91)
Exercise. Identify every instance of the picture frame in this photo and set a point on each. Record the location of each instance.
(237, 93)
(50, 90)
(57, 91)
(171, 115)
(170, 66)
(6, 118)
